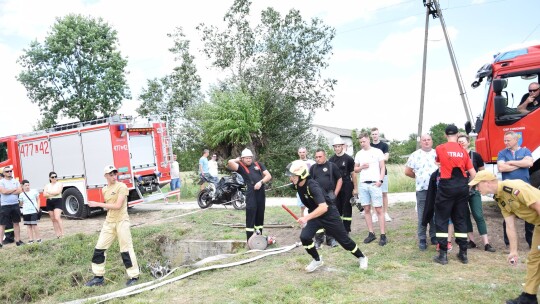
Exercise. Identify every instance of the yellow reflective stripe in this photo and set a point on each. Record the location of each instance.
(8, 230)
(250, 229)
(346, 218)
(460, 235)
(259, 227)
(320, 230)
(310, 246)
(441, 234)
(355, 248)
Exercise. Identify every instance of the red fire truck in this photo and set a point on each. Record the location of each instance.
(78, 152)
(507, 80)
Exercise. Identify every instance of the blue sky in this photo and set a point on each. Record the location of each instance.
(377, 52)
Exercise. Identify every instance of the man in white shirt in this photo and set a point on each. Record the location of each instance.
(176, 181)
(213, 169)
(369, 163)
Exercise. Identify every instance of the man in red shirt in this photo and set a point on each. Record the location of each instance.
(452, 197)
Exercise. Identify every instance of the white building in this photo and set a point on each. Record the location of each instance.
(329, 133)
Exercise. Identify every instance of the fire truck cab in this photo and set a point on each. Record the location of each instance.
(78, 152)
(507, 81)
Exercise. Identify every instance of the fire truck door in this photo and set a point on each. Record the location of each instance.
(98, 153)
(36, 161)
(141, 148)
(67, 156)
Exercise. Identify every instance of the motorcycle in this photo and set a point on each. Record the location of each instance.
(229, 190)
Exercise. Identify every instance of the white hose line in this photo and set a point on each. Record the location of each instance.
(132, 290)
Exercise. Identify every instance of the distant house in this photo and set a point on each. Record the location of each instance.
(329, 133)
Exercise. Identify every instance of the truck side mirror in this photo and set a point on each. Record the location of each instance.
(468, 127)
(499, 85)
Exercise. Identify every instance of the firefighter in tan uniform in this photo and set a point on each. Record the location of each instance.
(517, 199)
(116, 226)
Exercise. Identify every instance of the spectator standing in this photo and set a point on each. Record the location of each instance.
(31, 211)
(369, 164)
(255, 176)
(116, 225)
(10, 212)
(53, 192)
(302, 154)
(328, 176)
(204, 169)
(451, 201)
(213, 169)
(345, 164)
(514, 163)
(475, 201)
(9, 236)
(420, 165)
(176, 181)
(377, 143)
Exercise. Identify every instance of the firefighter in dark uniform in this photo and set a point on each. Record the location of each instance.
(328, 176)
(517, 198)
(255, 176)
(345, 163)
(452, 199)
(322, 214)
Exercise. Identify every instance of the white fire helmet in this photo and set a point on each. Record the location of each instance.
(246, 153)
(338, 141)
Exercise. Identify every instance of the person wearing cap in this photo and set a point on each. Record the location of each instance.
(452, 198)
(327, 175)
(369, 165)
(116, 225)
(255, 176)
(517, 198)
(322, 214)
(381, 145)
(10, 212)
(345, 164)
(514, 162)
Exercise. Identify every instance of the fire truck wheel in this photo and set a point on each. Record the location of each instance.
(535, 179)
(239, 201)
(74, 206)
(203, 199)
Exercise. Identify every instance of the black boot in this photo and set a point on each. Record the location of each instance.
(319, 240)
(524, 298)
(441, 258)
(462, 256)
(331, 241)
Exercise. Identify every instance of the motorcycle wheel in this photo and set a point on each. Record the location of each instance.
(204, 199)
(239, 201)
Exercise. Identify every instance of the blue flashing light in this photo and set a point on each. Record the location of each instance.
(121, 127)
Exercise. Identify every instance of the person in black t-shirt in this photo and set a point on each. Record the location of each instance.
(345, 163)
(255, 176)
(328, 176)
(322, 214)
(530, 101)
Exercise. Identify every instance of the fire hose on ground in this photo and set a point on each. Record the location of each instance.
(136, 289)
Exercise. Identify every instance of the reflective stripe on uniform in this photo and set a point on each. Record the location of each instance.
(320, 230)
(441, 234)
(259, 227)
(355, 248)
(8, 230)
(310, 246)
(250, 229)
(346, 218)
(460, 235)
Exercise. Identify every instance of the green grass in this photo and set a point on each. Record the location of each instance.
(55, 271)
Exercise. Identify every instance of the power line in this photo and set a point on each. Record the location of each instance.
(534, 30)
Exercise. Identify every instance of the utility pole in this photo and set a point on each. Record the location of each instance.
(430, 10)
(433, 9)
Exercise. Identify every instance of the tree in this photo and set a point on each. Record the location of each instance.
(76, 72)
(170, 95)
(438, 134)
(278, 65)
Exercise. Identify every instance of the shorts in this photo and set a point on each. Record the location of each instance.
(384, 186)
(31, 219)
(370, 194)
(10, 214)
(54, 203)
(175, 184)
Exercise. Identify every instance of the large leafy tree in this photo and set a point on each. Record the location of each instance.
(77, 72)
(278, 64)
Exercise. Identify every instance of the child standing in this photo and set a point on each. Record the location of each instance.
(31, 211)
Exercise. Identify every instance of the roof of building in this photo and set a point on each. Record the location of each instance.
(338, 131)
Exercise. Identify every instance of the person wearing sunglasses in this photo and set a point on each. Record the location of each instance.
(9, 208)
(53, 192)
(530, 101)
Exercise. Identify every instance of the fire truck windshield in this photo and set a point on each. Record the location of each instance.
(3, 151)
